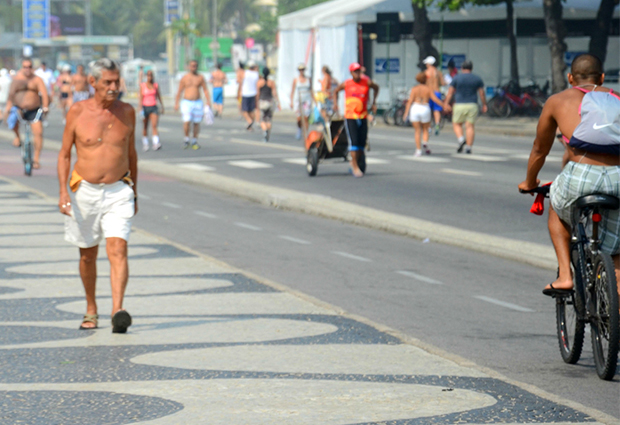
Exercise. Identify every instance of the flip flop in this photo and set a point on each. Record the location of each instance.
(554, 292)
(89, 318)
(120, 322)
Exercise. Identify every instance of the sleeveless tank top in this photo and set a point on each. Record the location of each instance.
(149, 96)
(265, 93)
(356, 98)
(250, 79)
(303, 91)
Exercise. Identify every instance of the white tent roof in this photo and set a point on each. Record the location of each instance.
(533, 9)
(341, 12)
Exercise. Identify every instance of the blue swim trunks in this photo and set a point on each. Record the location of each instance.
(433, 105)
(11, 120)
(218, 95)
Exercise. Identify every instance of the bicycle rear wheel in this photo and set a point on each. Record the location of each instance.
(388, 115)
(604, 323)
(569, 319)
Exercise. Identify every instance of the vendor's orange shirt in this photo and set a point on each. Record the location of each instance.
(356, 98)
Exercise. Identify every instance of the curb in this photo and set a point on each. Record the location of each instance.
(326, 207)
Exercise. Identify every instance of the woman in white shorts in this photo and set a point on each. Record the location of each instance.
(419, 112)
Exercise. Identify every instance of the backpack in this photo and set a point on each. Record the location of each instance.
(599, 129)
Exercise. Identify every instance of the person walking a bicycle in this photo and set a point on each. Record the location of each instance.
(28, 94)
(100, 198)
(591, 160)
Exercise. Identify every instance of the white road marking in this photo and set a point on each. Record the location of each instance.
(483, 158)
(549, 158)
(461, 172)
(205, 214)
(268, 145)
(209, 158)
(248, 226)
(292, 239)
(419, 277)
(423, 158)
(171, 205)
(376, 161)
(163, 130)
(143, 196)
(250, 165)
(504, 304)
(197, 167)
(296, 161)
(351, 256)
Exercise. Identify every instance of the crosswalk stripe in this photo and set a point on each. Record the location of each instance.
(197, 167)
(429, 159)
(483, 158)
(250, 165)
(461, 172)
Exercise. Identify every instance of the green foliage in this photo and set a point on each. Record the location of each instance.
(288, 6)
(454, 5)
(10, 17)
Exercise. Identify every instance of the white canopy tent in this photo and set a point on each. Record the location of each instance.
(327, 34)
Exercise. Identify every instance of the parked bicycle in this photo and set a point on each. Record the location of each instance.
(27, 143)
(594, 297)
(393, 115)
(511, 99)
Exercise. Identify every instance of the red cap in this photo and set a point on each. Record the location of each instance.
(355, 67)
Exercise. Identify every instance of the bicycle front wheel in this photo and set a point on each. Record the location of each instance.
(27, 155)
(604, 320)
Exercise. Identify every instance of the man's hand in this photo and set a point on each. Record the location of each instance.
(525, 186)
(176, 107)
(447, 108)
(373, 108)
(484, 109)
(64, 204)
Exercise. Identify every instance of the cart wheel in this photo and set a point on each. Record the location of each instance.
(313, 161)
(361, 161)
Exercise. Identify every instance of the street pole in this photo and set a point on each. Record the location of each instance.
(88, 18)
(216, 46)
(387, 65)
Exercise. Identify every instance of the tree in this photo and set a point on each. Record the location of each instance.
(185, 28)
(556, 32)
(600, 33)
(423, 36)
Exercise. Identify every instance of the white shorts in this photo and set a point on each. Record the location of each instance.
(99, 211)
(420, 113)
(192, 110)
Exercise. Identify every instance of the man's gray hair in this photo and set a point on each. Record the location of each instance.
(96, 69)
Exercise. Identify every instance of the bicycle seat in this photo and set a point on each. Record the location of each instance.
(607, 202)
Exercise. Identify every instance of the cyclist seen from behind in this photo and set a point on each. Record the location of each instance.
(356, 90)
(28, 94)
(588, 116)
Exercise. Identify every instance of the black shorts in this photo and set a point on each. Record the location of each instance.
(148, 110)
(30, 115)
(357, 132)
(248, 104)
(64, 95)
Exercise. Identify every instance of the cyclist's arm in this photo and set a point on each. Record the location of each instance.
(545, 135)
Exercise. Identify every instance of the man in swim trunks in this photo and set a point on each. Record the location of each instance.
(434, 81)
(101, 199)
(192, 107)
(357, 90)
(585, 171)
(28, 94)
(79, 85)
(218, 80)
(64, 91)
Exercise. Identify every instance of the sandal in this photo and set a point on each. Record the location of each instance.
(90, 318)
(552, 292)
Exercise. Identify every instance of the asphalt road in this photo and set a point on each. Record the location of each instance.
(482, 308)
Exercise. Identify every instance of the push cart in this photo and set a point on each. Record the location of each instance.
(327, 144)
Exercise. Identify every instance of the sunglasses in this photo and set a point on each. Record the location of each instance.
(27, 67)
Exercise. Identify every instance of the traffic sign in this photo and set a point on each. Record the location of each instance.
(383, 66)
(36, 17)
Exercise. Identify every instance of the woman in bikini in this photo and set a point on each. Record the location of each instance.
(419, 112)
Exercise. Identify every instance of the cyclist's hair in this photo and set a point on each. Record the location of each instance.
(421, 78)
(586, 67)
(96, 69)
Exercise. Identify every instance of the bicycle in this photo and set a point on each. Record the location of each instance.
(26, 145)
(594, 297)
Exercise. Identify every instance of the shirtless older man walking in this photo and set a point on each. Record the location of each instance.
(28, 94)
(192, 107)
(100, 199)
(434, 81)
